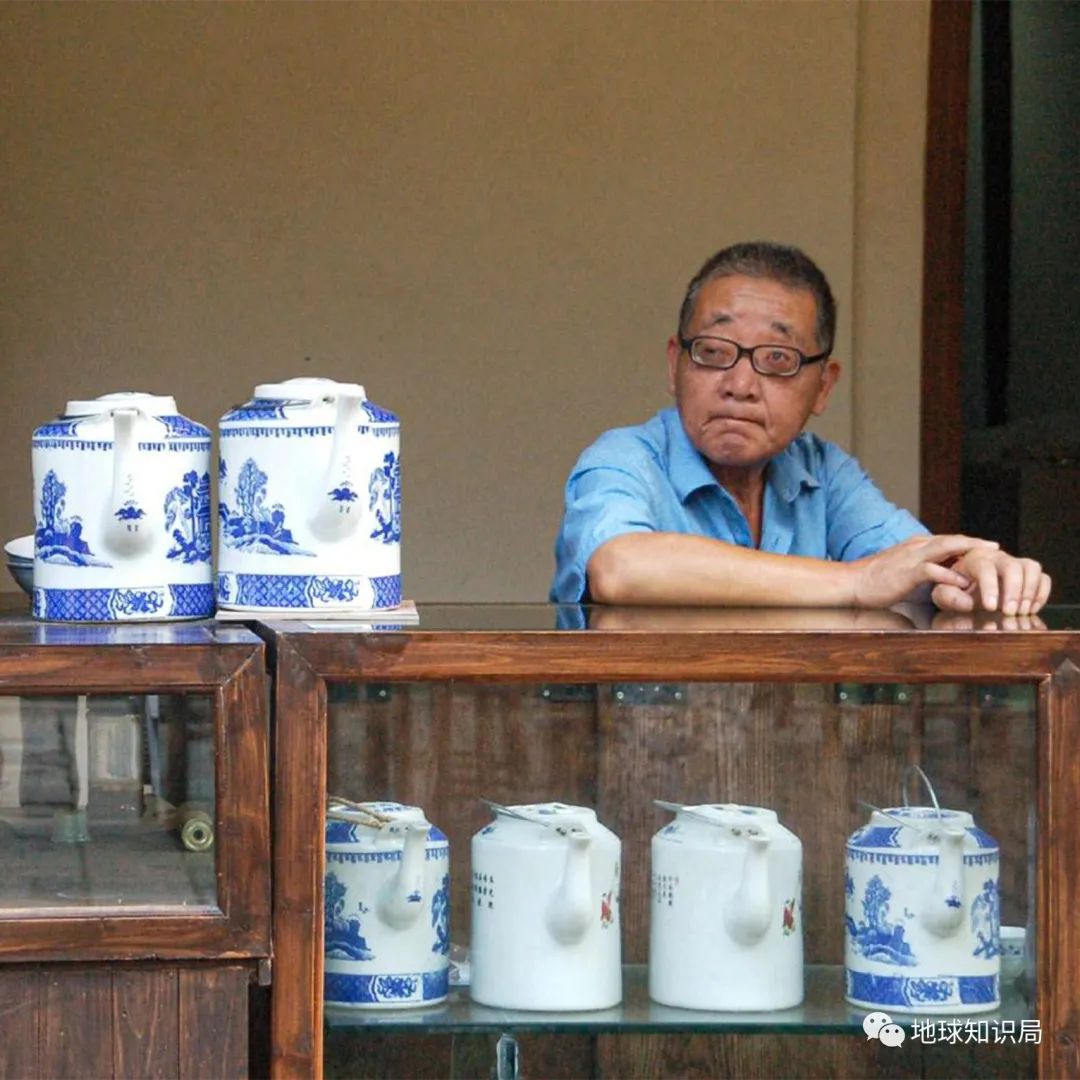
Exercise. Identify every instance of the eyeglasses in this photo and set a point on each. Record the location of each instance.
(782, 361)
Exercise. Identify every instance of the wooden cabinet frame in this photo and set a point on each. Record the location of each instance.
(306, 662)
(228, 665)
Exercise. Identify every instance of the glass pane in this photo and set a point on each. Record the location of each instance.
(107, 800)
(818, 754)
(509, 617)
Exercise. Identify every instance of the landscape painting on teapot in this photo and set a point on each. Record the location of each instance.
(122, 512)
(922, 912)
(386, 905)
(545, 915)
(726, 925)
(309, 501)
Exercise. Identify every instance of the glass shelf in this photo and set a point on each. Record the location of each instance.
(823, 1012)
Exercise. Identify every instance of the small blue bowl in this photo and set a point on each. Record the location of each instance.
(20, 562)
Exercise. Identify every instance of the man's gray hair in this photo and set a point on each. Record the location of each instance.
(777, 262)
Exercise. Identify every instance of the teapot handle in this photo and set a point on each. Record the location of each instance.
(336, 514)
(127, 532)
(929, 787)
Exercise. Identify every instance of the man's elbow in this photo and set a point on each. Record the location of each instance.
(610, 575)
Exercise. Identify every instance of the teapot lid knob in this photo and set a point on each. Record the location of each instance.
(307, 389)
(152, 404)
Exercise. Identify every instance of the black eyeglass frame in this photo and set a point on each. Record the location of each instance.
(742, 350)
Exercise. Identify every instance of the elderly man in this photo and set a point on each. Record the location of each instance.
(726, 500)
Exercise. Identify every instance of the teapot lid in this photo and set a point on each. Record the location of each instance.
(374, 815)
(923, 819)
(151, 404)
(919, 828)
(557, 810)
(307, 389)
(554, 815)
(732, 815)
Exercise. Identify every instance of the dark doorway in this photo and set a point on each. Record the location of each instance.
(1001, 371)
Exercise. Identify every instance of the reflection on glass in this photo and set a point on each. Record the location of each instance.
(107, 800)
(489, 618)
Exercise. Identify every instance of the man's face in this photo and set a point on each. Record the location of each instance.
(737, 418)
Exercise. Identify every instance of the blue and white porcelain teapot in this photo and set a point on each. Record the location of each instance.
(922, 911)
(310, 501)
(122, 508)
(387, 906)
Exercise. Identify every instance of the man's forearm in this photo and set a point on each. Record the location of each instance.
(672, 568)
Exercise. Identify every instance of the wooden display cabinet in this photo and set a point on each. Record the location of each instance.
(804, 711)
(134, 835)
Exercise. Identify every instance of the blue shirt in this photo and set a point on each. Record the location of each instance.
(818, 501)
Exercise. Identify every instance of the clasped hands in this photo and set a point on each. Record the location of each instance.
(958, 573)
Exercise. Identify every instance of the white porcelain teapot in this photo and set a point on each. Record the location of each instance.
(545, 910)
(922, 911)
(726, 917)
(122, 507)
(387, 906)
(310, 500)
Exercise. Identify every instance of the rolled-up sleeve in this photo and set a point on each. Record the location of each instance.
(602, 501)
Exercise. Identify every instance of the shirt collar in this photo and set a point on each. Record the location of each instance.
(689, 471)
(788, 475)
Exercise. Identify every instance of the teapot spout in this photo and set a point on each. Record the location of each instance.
(943, 911)
(748, 912)
(401, 899)
(570, 910)
(338, 508)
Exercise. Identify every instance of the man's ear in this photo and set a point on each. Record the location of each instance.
(673, 350)
(830, 373)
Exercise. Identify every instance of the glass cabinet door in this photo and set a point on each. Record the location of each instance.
(107, 801)
(820, 754)
(134, 792)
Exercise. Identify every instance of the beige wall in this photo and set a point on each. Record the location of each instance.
(486, 213)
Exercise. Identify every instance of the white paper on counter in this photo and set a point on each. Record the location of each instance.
(405, 612)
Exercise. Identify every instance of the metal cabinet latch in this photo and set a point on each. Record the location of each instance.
(567, 693)
(649, 693)
(873, 694)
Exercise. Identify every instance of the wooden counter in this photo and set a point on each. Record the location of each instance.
(805, 712)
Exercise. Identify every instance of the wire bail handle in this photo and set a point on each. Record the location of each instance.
(356, 813)
(929, 787)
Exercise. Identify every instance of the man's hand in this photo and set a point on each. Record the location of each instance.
(997, 581)
(909, 567)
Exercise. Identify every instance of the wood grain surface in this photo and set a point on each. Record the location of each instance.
(213, 1022)
(298, 860)
(89, 1022)
(145, 1022)
(729, 656)
(941, 426)
(1058, 949)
